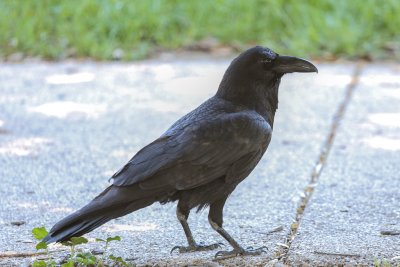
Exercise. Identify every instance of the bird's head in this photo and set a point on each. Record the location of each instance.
(256, 73)
(261, 64)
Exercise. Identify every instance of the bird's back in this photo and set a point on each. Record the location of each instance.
(210, 110)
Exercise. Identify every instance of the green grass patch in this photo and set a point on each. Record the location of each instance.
(56, 29)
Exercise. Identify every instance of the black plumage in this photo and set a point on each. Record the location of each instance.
(202, 157)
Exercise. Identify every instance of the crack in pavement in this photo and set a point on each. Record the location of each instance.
(283, 252)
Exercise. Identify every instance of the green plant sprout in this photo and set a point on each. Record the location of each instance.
(77, 259)
(74, 241)
(107, 241)
(39, 233)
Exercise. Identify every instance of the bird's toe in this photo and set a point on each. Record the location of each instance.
(250, 251)
(196, 247)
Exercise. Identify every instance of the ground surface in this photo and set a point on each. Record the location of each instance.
(65, 128)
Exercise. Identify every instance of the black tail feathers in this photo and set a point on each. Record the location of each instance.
(109, 205)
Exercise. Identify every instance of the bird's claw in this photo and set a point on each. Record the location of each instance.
(174, 248)
(250, 251)
(196, 247)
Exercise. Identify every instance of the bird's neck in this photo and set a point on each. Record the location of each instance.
(261, 97)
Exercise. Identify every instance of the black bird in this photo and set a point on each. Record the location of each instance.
(202, 157)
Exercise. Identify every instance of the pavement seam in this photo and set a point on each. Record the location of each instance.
(283, 252)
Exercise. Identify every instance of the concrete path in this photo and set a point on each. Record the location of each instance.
(353, 216)
(326, 192)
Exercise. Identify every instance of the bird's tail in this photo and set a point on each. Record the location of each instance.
(111, 203)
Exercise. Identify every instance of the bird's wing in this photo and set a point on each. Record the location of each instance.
(197, 154)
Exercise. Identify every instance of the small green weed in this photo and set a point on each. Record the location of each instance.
(383, 263)
(74, 258)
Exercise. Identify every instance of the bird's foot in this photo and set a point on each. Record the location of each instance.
(196, 247)
(250, 251)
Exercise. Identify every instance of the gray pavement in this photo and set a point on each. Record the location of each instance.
(354, 215)
(66, 127)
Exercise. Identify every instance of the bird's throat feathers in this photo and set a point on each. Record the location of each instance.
(259, 95)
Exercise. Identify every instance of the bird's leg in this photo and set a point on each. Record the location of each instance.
(215, 219)
(183, 215)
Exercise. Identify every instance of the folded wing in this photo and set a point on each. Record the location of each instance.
(198, 153)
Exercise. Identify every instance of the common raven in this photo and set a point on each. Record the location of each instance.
(202, 157)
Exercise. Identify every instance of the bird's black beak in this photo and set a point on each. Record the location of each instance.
(287, 64)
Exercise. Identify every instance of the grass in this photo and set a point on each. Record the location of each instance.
(56, 29)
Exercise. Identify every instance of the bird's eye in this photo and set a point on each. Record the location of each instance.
(266, 60)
